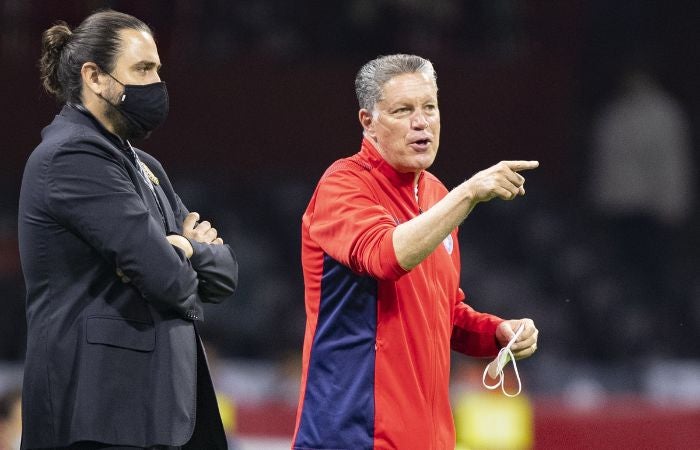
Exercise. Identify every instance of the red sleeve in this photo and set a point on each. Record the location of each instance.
(350, 225)
(474, 333)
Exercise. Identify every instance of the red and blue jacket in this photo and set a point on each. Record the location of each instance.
(376, 355)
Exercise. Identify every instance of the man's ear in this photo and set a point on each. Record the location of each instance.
(90, 73)
(367, 122)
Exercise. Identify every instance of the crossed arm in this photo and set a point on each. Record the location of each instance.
(197, 231)
(90, 193)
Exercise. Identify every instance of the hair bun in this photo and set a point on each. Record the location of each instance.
(56, 37)
(53, 41)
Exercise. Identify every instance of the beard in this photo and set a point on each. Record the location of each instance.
(123, 127)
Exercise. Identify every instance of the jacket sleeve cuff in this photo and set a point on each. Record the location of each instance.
(478, 339)
(392, 268)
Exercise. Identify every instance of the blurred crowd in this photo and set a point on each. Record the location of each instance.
(215, 30)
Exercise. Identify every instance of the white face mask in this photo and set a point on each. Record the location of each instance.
(495, 368)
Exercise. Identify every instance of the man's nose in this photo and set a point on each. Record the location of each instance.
(419, 121)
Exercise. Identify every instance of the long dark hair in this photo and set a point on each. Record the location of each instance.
(64, 51)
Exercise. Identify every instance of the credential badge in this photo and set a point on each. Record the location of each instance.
(149, 174)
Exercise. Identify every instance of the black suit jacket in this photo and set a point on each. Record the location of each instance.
(108, 361)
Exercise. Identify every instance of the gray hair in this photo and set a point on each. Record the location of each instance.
(375, 74)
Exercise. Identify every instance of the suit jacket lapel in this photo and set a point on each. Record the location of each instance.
(170, 222)
(148, 198)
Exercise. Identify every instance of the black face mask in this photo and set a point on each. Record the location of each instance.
(145, 107)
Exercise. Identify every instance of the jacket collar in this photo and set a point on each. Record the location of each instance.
(76, 112)
(369, 153)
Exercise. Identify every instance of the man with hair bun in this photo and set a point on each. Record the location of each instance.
(116, 267)
(381, 271)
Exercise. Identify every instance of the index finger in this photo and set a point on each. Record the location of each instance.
(190, 221)
(517, 166)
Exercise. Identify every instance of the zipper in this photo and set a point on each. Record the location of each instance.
(430, 270)
(435, 327)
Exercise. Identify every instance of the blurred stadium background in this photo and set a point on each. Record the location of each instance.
(262, 101)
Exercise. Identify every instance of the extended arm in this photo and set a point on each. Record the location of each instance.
(416, 239)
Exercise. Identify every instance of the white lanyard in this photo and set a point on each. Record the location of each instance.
(495, 368)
